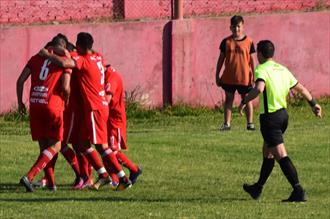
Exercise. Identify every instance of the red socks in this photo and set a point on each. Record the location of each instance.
(94, 160)
(49, 171)
(43, 159)
(122, 158)
(71, 158)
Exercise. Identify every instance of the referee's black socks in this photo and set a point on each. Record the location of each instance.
(266, 169)
(290, 172)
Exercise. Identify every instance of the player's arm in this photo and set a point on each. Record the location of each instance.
(221, 59)
(19, 88)
(256, 90)
(66, 77)
(108, 97)
(316, 108)
(252, 66)
(57, 60)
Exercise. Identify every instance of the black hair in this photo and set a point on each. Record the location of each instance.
(267, 48)
(60, 35)
(85, 40)
(58, 41)
(70, 47)
(236, 19)
(48, 44)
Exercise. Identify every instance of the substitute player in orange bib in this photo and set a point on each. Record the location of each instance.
(236, 53)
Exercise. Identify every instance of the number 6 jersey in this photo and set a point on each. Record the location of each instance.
(46, 82)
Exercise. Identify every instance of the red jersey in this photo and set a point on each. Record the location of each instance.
(114, 86)
(90, 77)
(46, 86)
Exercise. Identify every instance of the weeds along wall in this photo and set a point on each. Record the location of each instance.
(164, 61)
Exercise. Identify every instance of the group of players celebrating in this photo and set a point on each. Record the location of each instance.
(76, 99)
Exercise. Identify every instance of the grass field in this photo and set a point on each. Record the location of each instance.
(191, 170)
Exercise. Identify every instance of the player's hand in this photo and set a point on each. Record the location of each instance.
(21, 109)
(241, 108)
(218, 82)
(317, 110)
(43, 52)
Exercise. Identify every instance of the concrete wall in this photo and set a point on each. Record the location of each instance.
(175, 62)
(134, 49)
(195, 51)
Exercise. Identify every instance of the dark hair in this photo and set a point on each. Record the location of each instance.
(48, 44)
(85, 40)
(70, 47)
(58, 41)
(266, 47)
(236, 19)
(62, 36)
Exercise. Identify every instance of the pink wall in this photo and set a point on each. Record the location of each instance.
(183, 72)
(134, 49)
(195, 51)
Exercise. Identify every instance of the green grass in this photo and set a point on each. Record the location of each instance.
(191, 170)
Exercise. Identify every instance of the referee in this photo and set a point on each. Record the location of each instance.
(273, 83)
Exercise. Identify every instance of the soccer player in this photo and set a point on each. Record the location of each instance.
(67, 152)
(115, 94)
(91, 82)
(46, 111)
(273, 83)
(236, 52)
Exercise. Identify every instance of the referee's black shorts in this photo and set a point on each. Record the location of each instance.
(272, 126)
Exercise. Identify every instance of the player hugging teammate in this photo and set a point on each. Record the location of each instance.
(87, 115)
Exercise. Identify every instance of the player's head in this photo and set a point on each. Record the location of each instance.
(62, 36)
(70, 47)
(265, 50)
(237, 25)
(84, 42)
(58, 41)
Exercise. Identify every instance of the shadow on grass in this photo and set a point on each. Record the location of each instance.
(18, 189)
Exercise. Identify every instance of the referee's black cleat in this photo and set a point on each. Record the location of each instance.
(253, 190)
(27, 184)
(296, 196)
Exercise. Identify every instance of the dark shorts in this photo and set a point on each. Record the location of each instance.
(240, 88)
(273, 126)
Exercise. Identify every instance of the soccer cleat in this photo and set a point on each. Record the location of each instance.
(86, 183)
(40, 184)
(123, 184)
(254, 190)
(296, 196)
(78, 182)
(113, 185)
(250, 126)
(26, 183)
(51, 188)
(100, 182)
(133, 176)
(225, 127)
